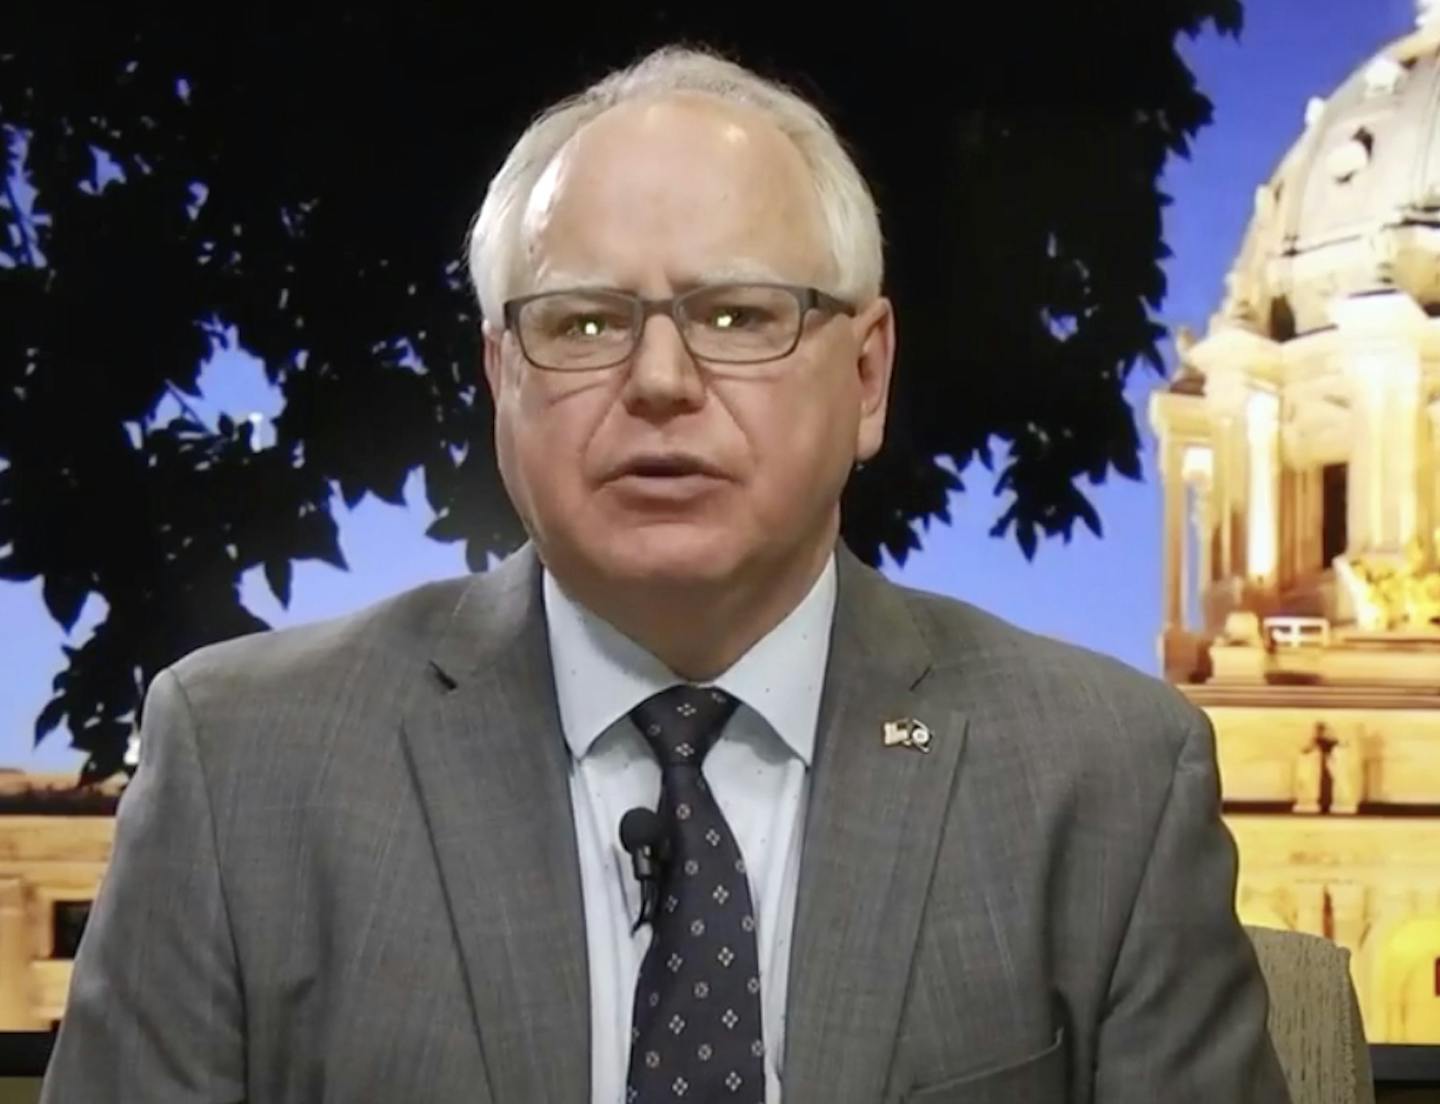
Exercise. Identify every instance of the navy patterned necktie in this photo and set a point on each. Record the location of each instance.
(696, 1033)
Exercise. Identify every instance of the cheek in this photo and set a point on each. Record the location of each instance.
(802, 441)
(546, 430)
(513, 473)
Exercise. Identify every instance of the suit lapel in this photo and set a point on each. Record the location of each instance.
(484, 744)
(872, 832)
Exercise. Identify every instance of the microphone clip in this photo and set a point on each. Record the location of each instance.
(643, 835)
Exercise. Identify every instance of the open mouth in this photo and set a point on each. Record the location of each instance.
(664, 469)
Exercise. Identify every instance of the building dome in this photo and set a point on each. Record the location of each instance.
(1354, 207)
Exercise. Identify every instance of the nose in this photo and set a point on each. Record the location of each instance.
(663, 377)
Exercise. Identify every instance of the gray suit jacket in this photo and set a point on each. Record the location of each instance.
(346, 871)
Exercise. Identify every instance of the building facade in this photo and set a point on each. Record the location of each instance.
(55, 842)
(1300, 453)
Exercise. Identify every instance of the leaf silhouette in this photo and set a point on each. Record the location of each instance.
(278, 574)
(314, 199)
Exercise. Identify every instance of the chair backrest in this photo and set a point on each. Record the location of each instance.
(1315, 1019)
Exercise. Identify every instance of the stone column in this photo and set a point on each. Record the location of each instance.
(1310, 520)
(1380, 337)
(1349, 917)
(1173, 606)
(14, 960)
(1347, 912)
(1198, 470)
(1238, 366)
(1226, 393)
(1390, 907)
(1430, 476)
(1203, 525)
(1262, 513)
(1310, 908)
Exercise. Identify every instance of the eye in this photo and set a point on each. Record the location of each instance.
(584, 325)
(577, 318)
(732, 317)
(737, 310)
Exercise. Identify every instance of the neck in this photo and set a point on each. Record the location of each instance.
(736, 612)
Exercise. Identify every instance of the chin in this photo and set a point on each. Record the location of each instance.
(670, 554)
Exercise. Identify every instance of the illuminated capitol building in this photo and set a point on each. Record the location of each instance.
(1300, 452)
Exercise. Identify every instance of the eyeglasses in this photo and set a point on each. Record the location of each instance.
(584, 329)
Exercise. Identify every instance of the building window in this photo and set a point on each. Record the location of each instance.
(1335, 528)
(69, 917)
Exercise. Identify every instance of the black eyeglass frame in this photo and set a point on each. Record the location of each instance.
(643, 309)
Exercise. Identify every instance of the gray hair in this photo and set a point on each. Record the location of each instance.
(847, 206)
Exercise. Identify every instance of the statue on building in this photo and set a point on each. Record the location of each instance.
(1389, 595)
(1370, 595)
(1347, 776)
(1341, 761)
(1308, 777)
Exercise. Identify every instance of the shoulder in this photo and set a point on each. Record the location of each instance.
(1052, 692)
(325, 663)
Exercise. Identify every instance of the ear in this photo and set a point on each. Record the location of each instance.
(875, 329)
(493, 353)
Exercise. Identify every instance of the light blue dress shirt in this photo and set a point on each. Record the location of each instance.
(758, 771)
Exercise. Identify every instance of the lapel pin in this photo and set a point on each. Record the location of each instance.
(907, 732)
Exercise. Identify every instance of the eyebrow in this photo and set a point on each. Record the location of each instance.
(740, 270)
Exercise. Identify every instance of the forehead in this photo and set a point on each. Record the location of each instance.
(681, 188)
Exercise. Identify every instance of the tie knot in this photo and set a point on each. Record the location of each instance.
(682, 723)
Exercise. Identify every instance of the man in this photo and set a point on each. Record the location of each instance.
(897, 850)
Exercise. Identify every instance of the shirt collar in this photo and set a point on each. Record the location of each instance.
(601, 674)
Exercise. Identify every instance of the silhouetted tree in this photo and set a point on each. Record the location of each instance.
(309, 181)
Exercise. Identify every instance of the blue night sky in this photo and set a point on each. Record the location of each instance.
(1102, 593)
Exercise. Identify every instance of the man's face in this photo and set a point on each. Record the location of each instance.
(655, 198)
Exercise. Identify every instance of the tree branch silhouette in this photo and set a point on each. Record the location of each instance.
(307, 178)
